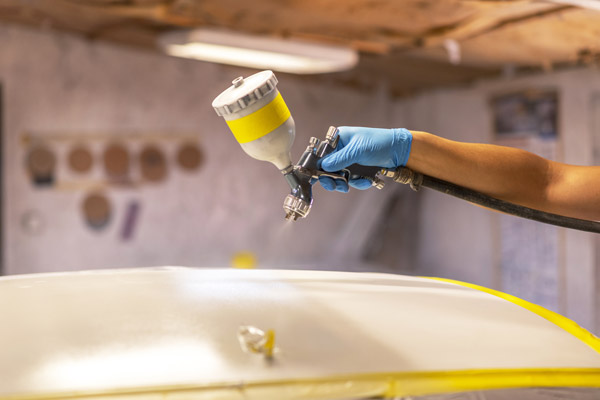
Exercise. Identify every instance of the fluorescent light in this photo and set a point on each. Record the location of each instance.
(292, 56)
(259, 59)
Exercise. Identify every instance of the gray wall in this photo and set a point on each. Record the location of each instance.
(59, 83)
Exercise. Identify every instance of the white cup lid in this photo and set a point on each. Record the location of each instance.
(244, 92)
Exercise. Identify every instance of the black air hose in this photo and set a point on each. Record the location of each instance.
(417, 180)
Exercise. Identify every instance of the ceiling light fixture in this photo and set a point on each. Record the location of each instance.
(260, 52)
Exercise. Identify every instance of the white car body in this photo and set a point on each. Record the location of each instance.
(173, 333)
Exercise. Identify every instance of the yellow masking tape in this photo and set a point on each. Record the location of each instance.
(260, 122)
(424, 383)
(559, 320)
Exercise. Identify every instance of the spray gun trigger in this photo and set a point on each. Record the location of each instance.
(343, 174)
(335, 141)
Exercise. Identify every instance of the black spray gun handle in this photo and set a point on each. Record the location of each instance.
(355, 171)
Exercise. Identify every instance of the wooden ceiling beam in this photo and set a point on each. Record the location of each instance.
(482, 24)
(158, 13)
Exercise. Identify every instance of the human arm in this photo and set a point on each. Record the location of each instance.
(510, 174)
(505, 173)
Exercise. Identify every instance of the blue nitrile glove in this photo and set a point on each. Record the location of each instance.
(386, 148)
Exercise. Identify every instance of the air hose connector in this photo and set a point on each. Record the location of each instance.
(405, 176)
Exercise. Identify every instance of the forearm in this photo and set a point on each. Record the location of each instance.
(509, 174)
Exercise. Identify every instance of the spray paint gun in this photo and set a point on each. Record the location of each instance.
(262, 124)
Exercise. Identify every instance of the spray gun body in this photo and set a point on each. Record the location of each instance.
(301, 176)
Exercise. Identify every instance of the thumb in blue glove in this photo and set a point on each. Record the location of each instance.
(386, 148)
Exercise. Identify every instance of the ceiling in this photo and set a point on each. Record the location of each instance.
(406, 43)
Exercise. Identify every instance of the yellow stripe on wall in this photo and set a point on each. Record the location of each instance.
(260, 122)
(559, 320)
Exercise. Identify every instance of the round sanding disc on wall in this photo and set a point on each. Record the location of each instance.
(189, 156)
(96, 210)
(153, 164)
(80, 159)
(116, 161)
(41, 162)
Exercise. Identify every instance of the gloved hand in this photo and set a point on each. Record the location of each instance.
(386, 148)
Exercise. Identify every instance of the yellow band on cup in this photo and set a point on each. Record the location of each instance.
(260, 122)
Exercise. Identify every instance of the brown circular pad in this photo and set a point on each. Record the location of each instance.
(189, 156)
(41, 162)
(153, 164)
(80, 159)
(116, 161)
(96, 210)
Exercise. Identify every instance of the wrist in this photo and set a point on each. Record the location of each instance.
(430, 154)
(402, 145)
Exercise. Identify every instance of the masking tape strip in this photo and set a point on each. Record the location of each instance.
(423, 383)
(260, 122)
(559, 320)
(388, 385)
